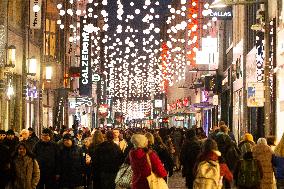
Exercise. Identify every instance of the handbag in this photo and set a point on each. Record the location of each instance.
(124, 176)
(154, 181)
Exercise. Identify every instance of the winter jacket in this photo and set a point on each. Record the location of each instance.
(141, 168)
(263, 153)
(214, 156)
(188, 156)
(47, 155)
(72, 166)
(165, 158)
(4, 165)
(27, 173)
(106, 162)
(278, 164)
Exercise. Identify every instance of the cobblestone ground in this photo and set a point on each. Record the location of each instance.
(177, 181)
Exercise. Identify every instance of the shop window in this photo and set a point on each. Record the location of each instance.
(50, 38)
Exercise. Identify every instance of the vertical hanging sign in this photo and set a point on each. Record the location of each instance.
(85, 86)
(35, 14)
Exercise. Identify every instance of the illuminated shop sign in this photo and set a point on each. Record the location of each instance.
(85, 87)
(80, 101)
(259, 57)
(225, 13)
(35, 14)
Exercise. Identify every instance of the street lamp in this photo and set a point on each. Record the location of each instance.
(32, 66)
(267, 103)
(48, 73)
(11, 56)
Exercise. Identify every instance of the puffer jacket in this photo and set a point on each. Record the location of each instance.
(263, 153)
(27, 173)
(141, 168)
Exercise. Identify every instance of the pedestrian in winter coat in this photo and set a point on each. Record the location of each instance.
(160, 148)
(248, 173)
(26, 169)
(138, 161)
(11, 141)
(278, 163)
(210, 153)
(188, 156)
(72, 164)
(47, 155)
(262, 152)
(246, 144)
(5, 166)
(108, 157)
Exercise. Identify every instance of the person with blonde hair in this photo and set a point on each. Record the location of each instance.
(263, 153)
(278, 163)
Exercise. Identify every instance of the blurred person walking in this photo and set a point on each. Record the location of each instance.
(108, 157)
(139, 164)
(47, 154)
(188, 156)
(263, 153)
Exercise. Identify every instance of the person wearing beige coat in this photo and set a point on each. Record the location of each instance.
(262, 152)
(26, 169)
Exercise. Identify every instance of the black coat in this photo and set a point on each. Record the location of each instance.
(5, 172)
(72, 166)
(11, 144)
(165, 158)
(47, 155)
(106, 162)
(188, 156)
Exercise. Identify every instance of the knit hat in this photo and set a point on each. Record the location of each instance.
(262, 141)
(2, 132)
(139, 141)
(47, 131)
(248, 137)
(10, 132)
(67, 136)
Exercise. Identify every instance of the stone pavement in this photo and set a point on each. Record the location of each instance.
(177, 181)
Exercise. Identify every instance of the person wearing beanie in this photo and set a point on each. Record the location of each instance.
(139, 164)
(210, 154)
(246, 144)
(11, 141)
(188, 156)
(47, 154)
(108, 157)
(71, 163)
(262, 152)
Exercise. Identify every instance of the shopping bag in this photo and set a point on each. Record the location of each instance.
(124, 176)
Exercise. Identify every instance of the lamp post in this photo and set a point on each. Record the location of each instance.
(267, 103)
(32, 66)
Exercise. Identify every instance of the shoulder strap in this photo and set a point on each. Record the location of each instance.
(149, 161)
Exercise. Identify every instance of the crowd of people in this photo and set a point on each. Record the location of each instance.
(79, 158)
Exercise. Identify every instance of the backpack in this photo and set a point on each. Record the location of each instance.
(248, 174)
(208, 176)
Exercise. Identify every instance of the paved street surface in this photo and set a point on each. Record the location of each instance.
(177, 181)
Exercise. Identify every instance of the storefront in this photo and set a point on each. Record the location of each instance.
(32, 100)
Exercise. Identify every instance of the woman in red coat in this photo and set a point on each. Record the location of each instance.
(138, 161)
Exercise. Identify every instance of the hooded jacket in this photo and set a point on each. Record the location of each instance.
(141, 168)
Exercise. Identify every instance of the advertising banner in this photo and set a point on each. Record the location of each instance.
(255, 92)
(35, 14)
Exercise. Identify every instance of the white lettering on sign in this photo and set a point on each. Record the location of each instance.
(221, 14)
(85, 58)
